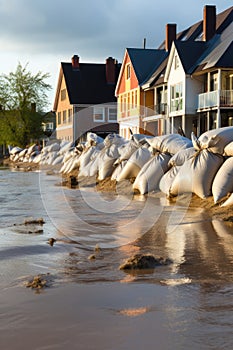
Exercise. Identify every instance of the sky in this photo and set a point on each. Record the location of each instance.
(43, 33)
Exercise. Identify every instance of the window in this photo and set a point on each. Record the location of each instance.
(177, 62)
(112, 114)
(99, 114)
(70, 115)
(63, 94)
(128, 71)
(176, 97)
(64, 117)
(59, 118)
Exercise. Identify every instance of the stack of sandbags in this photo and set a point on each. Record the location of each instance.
(197, 174)
(151, 173)
(135, 163)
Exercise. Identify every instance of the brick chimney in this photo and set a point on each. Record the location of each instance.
(110, 70)
(75, 62)
(170, 35)
(209, 22)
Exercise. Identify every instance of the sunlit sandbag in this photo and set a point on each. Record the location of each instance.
(150, 174)
(126, 150)
(171, 143)
(106, 161)
(135, 163)
(215, 140)
(223, 181)
(167, 179)
(228, 149)
(181, 156)
(196, 175)
(117, 170)
(228, 202)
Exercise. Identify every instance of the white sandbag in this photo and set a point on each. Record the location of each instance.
(73, 165)
(31, 148)
(58, 160)
(15, 150)
(118, 169)
(126, 150)
(22, 153)
(54, 147)
(67, 165)
(93, 139)
(135, 163)
(215, 140)
(37, 159)
(196, 175)
(106, 161)
(169, 143)
(223, 181)
(228, 202)
(167, 179)
(91, 168)
(181, 156)
(85, 157)
(150, 174)
(228, 149)
(52, 156)
(65, 146)
(114, 139)
(140, 139)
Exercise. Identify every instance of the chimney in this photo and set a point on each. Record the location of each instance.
(170, 35)
(110, 70)
(144, 43)
(75, 62)
(209, 22)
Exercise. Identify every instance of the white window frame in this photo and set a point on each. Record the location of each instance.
(99, 111)
(115, 114)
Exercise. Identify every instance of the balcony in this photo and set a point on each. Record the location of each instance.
(223, 98)
(155, 110)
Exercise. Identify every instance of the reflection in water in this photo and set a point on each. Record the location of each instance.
(195, 303)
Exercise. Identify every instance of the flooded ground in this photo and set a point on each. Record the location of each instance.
(90, 303)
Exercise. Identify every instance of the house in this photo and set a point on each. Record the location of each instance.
(199, 76)
(185, 65)
(85, 99)
(180, 80)
(137, 65)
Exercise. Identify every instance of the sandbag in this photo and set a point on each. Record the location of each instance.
(114, 139)
(196, 175)
(150, 174)
(106, 161)
(169, 143)
(215, 140)
(181, 156)
(126, 150)
(223, 181)
(135, 163)
(228, 202)
(167, 179)
(228, 149)
(118, 169)
(91, 168)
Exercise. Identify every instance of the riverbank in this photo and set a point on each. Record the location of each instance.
(72, 180)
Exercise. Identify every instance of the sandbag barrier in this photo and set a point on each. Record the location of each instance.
(170, 163)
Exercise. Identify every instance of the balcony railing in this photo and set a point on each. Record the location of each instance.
(223, 98)
(159, 109)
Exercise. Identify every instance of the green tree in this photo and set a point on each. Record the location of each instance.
(23, 97)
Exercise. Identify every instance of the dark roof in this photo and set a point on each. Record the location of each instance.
(145, 61)
(157, 76)
(226, 60)
(189, 52)
(88, 84)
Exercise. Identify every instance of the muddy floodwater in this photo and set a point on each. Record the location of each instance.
(88, 302)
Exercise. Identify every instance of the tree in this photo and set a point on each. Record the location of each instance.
(23, 96)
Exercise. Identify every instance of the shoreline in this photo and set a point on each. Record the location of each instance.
(107, 185)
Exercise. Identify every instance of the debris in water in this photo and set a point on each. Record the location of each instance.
(39, 221)
(37, 283)
(51, 241)
(146, 261)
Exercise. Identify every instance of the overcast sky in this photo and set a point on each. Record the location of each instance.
(43, 33)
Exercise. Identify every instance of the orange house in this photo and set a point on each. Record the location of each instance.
(132, 102)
